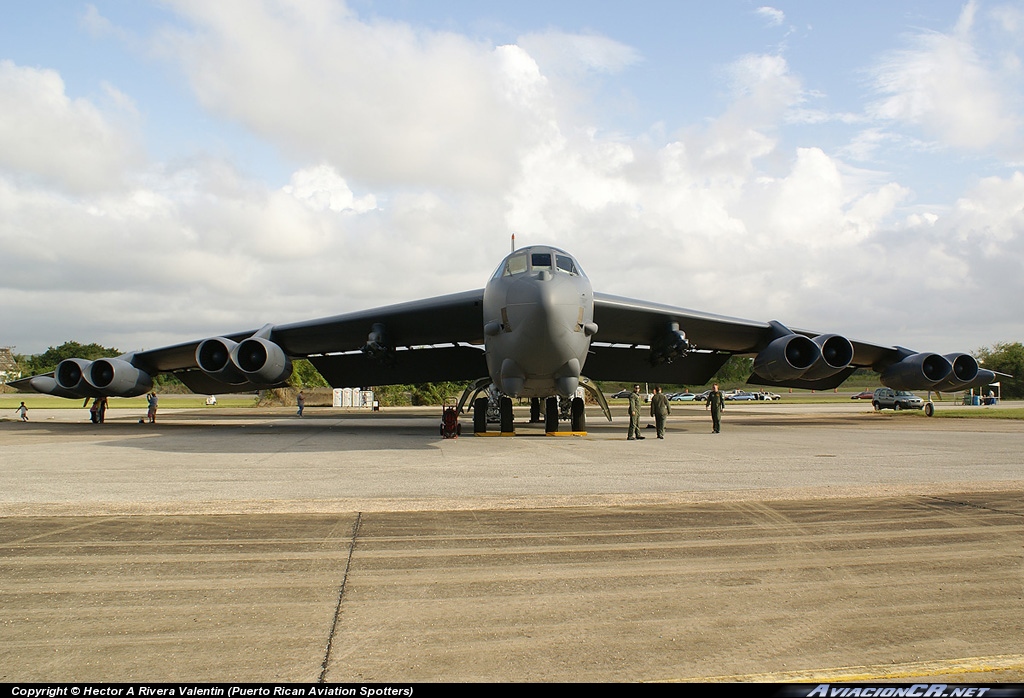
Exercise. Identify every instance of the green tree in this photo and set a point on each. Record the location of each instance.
(418, 394)
(48, 360)
(735, 371)
(305, 375)
(1005, 357)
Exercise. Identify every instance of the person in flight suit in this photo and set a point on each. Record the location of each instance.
(659, 410)
(716, 404)
(634, 414)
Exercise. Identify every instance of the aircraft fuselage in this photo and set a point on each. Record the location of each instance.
(538, 322)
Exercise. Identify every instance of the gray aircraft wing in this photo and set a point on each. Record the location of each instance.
(415, 342)
(641, 340)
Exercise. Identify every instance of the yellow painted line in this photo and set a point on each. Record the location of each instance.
(494, 433)
(875, 672)
(565, 433)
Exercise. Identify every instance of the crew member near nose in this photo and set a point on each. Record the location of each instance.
(634, 414)
(659, 410)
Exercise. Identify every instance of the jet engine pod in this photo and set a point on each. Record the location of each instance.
(917, 372)
(836, 354)
(964, 371)
(70, 376)
(786, 358)
(118, 378)
(213, 356)
(262, 361)
(49, 386)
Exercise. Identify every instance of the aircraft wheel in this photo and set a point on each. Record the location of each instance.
(534, 410)
(506, 415)
(579, 417)
(480, 415)
(929, 409)
(551, 414)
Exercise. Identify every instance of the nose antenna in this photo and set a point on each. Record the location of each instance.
(513, 242)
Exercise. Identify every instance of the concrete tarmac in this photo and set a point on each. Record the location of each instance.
(803, 543)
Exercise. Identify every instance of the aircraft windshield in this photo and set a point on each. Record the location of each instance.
(516, 264)
(566, 264)
(549, 260)
(540, 260)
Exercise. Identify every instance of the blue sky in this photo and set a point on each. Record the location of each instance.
(179, 169)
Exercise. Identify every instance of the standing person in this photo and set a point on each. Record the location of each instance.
(23, 411)
(659, 410)
(634, 414)
(715, 403)
(153, 401)
(300, 401)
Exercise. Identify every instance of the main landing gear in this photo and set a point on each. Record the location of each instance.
(577, 418)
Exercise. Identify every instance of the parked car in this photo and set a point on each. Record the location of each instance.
(864, 395)
(740, 396)
(767, 395)
(622, 394)
(701, 397)
(889, 399)
(682, 397)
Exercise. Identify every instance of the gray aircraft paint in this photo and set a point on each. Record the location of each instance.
(538, 321)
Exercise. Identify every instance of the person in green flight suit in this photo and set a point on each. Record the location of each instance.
(634, 414)
(659, 410)
(716, 404)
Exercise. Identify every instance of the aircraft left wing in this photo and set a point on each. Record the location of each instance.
(393, 344)
(640, 340)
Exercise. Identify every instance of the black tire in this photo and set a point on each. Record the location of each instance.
(898, 406)
(480, 415)
(929, 409)
(551, 415)
(579, 416)
(876, 406)
(507, 425)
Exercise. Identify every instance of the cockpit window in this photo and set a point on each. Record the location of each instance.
(566, 264)
(540, 260)
(516, 265)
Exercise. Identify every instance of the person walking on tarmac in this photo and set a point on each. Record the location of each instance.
(634, 414)
(659, 410)
(715, 403)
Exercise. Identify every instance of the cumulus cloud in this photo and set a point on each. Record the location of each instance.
(47, 136)
(417, 152)
(942, 85)
(380, 100)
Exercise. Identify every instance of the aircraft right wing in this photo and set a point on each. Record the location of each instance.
(640, 340)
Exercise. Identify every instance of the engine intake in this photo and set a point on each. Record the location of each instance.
(922, 371)
(70, 376)
(787, 358)
(118, 378)
(261, 361)
(213, 356)
(836, 355)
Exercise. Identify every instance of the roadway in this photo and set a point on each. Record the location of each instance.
(818, 542)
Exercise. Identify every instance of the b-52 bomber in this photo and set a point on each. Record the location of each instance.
(536, 330)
